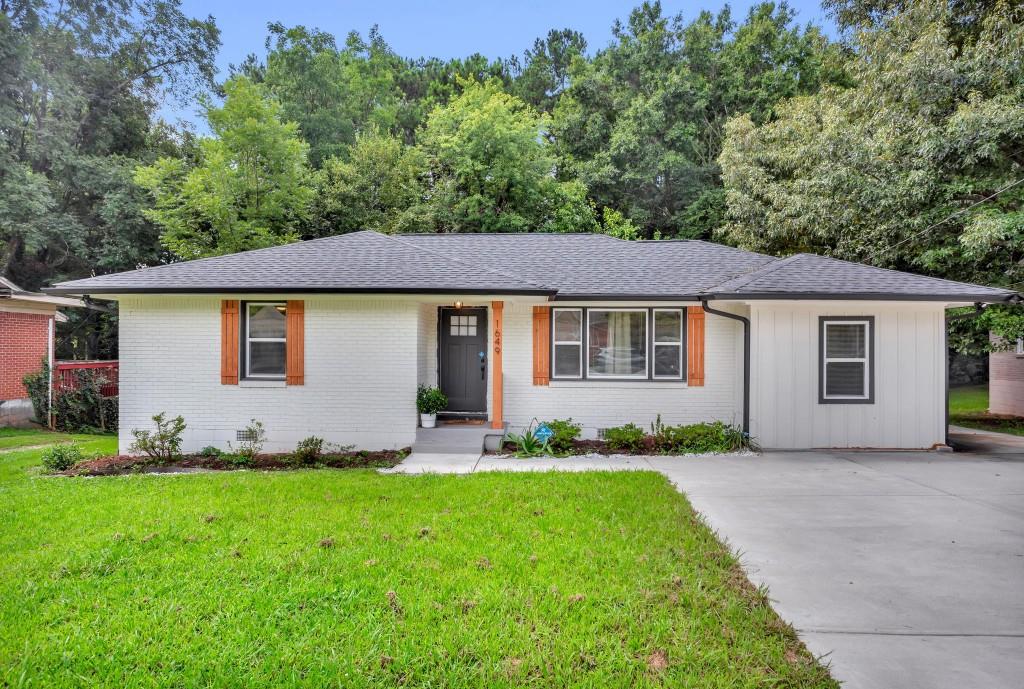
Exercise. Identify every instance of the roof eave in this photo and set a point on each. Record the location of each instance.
(58, 290)
(864, 296)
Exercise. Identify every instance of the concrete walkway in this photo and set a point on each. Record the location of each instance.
(901, 569)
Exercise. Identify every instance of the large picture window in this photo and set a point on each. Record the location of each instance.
(264, 345)
(617, 343)
(846, 359)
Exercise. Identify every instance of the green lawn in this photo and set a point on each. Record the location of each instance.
(26, 437)
(351, 578)
(968, 406)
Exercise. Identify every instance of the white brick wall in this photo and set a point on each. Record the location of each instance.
(360, 378)
(601, 404)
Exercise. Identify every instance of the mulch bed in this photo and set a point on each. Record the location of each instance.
(116, 465)
(589, 447)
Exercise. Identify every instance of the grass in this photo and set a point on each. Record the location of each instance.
(350, 578)
(968, 407)
(26, 437)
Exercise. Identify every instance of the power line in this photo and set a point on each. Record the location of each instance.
(948, 218)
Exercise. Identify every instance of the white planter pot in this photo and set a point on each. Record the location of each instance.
(428, 420)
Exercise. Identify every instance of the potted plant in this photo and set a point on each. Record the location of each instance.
(429, 401)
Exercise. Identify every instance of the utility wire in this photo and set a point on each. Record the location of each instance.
(994, 194)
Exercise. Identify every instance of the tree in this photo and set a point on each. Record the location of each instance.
(79, 85)
(379, 186)
(493, 169)
(545, 71)
(641, 124)
(250, 189)
(918, 166)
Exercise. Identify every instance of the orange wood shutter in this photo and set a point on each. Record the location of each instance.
(695, 345)
(541, 345)
(295, 342)
(229, 342)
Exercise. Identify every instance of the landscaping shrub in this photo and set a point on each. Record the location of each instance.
(565, 432)
(62, 456)
(308, 450)
(628, 438)
(36, 385)
(700, 438)
(163, 444)
(528, 444)
(77, 408)
(255, 435)
(210, 451)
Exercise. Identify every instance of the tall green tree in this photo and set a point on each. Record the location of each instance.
(492, 168)
(642, 122)
(919, 165)
(79, 83)
(251, 187)
(379, 185)
(544, 71)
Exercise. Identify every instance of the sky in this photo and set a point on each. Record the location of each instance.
(442, 28)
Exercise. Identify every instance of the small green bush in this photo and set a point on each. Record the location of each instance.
(628, 438)
(430, 400)
(210, 451)
(62, 456)
(164, 443)
(255, 435)
(700, 438)
(308, 450)
(565, 432)
(36, 384)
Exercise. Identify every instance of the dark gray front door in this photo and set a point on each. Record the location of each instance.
(463, 359)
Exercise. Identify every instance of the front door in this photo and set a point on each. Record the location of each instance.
(463, 359)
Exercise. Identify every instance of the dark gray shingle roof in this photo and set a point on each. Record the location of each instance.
(809, 275)
(564, 266)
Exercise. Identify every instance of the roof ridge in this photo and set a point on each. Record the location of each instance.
(749, 276)
(503, 274)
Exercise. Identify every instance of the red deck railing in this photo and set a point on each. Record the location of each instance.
(64, 375)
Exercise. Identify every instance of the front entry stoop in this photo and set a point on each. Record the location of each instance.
(456, 439)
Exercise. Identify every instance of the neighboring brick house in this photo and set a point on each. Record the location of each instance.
(1006, 381)
(26, 337)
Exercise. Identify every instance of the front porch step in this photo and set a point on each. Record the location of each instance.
(455, 439)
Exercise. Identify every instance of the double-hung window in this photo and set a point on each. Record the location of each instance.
(846, 359)
(568, 343)
(617, 343)
(264, 344)
(668, 343)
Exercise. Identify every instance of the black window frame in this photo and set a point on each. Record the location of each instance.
(243, 340)
(869, 343)
(585, 344)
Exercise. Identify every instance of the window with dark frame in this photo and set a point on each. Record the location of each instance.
(263, 348)
(618, 343)
(846, 360)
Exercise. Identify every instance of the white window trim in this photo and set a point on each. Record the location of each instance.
(866, 360)
(250, 340)
(678, 344)
(555, 343)
(647, 353)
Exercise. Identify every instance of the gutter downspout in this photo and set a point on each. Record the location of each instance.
(49, 369)
(979, 309)
(746, 358)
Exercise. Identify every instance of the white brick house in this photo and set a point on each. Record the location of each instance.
(331, 338)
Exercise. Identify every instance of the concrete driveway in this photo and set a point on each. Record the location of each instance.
(903, 569)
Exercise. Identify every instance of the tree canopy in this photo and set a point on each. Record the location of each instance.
(897, 145)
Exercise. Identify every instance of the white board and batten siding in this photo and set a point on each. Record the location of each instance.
(909, 406)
